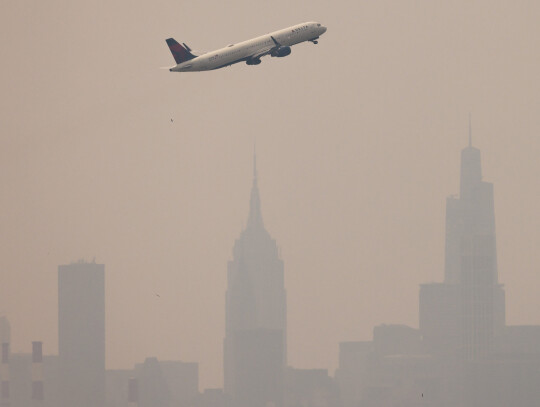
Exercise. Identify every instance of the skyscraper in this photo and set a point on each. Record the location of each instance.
(5, 339)
(464, 313)
(256, 329)
(5, 330)
(81, 334)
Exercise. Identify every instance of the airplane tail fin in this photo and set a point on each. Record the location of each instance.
(181, 53)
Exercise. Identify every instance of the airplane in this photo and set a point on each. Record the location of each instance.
(276, 44)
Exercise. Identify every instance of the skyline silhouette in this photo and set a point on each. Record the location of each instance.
(255, 345)
(358, 146)
(462, 332)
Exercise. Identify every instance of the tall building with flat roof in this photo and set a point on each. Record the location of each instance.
(5, 330)
(256, 313)
(354, 373)
(81, 334)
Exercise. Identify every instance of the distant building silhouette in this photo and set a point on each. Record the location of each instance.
(256, 328)
(353, 373)
(38, 388)
(118, 391)
(396, 340)
(33, 379)
(183, 381)
(133, 392)
(154, 383)
(5, 377)
(81, 334)
(5, 330)
(153, 388)
(310, 387)
(463, 354)
(5, 341)
(214, 398)
(465, 313)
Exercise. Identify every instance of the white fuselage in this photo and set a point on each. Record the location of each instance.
(254, 48)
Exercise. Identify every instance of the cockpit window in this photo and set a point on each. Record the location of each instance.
(318, 25)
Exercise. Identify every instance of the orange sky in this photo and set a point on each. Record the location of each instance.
(358, 142)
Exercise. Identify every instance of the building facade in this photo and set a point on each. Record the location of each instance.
(81, 334)
(256, 327)
(464, 314)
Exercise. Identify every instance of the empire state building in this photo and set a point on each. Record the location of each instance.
(256, 315)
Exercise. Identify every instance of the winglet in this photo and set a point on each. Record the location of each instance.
(179, 53)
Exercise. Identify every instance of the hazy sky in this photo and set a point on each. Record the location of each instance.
(358, 143)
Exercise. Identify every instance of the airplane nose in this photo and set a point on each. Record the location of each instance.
(323, 29)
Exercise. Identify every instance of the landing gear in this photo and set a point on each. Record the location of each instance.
(314, 40)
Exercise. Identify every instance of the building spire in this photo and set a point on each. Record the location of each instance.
(255, 215)
(470, 131)
(471, 168)
(255, 160)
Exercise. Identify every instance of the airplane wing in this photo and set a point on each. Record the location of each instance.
(262, 53)
(267, 50)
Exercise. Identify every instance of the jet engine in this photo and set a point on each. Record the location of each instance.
(253, 61)
(281, 52)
